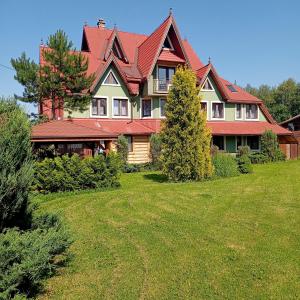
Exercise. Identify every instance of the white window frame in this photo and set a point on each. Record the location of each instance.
(242, 108)
(165, 99)
(224, 141)
(246, 112)
(207, 109)
(259, 146)
(204, 90)
(171, 44)
(112, 107)
(91, 107)
(211, 110)
(141, 108)
(110, 84)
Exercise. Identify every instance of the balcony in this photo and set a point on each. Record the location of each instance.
(161, 85)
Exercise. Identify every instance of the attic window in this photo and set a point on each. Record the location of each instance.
(231, 88)
(168, 44)
(117, 51)
(111, 79)
(207, 86)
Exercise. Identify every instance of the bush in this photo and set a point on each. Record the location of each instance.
(224, 165)
(244, 164)
(155, 151)
(132, 168)
(243, 150)
(258, 158)
(122, 148)
(15, 164)
(270, 147)
(27, 257)
(72, 173)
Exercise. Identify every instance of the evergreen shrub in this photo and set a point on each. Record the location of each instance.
(225, 165)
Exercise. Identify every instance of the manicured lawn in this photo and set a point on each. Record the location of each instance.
(236, 238)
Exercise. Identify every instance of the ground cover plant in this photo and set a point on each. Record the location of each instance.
(231, 238)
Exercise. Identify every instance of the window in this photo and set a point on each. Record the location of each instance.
(231, 88)
(217, 110)
(251, 112)
(238, 142)
(111, 79)
(219, 142)
(168, 44)
(204, 106)
(146, 108)
(165, 75)
(253, 142)
(162, 107)
(121, 107)
(207, 86)
(130, 144)
(238, 112)
(99, 107)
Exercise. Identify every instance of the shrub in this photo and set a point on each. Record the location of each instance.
(15, 164)
(155, 151)
(258, 158)
(214, 150)
(122, 148)
(270, 147)
(132, 168)
(243, 150)
(225, 165)
(72, 173)
(244, 164)
(27, 257)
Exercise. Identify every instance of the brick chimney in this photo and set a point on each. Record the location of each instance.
(101, 23)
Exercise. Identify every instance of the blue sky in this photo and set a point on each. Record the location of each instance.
(249, 41)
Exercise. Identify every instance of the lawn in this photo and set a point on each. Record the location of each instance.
(236, 238)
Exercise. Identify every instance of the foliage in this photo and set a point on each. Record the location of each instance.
(270, 147)
(73, 173)
(258, 158)
(133, 168)
(244, 164)
(44, 151)
(122, 148)
(15, 164)
(185, 136)
(155, 150)
(62, 78)
(283, 101)
(243, 151)
(214, 150)
(27, 257)
(225, 165)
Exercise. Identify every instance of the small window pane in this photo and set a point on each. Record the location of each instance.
(219, 142)
(253, 142)
(218, 110)
(251, 111)
(162, 107)
(204, 106)
(102, 107)
(130, 144)
(124, 107)
(146, 108)
(207, 85)
(111, 79)
(231, 88)
(238, 142)
(239, 111)
(116, 107)
(94, 107)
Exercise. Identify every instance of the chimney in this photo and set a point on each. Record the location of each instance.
(101, 23)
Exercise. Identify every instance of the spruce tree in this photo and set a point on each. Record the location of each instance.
(185, 136)
(62, 78)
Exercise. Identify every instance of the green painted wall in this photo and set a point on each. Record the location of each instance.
(230, 144)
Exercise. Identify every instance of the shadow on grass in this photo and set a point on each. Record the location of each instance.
(156, 177)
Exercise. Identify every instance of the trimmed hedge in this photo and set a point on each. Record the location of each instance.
(73, 173)
(224, 165)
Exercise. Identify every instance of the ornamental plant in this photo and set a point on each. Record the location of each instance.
(185, 136)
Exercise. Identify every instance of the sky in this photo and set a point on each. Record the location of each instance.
(255, 42)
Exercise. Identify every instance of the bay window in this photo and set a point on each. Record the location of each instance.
(99, 107)
(217, 110)
(120, 107)
(251, 112)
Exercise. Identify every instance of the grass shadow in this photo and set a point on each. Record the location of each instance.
(156, 177)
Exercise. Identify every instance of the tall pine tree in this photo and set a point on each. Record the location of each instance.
(62, 78)
(185, 136)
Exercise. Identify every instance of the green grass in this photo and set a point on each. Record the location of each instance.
(235, 238)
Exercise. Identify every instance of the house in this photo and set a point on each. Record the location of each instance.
(133, 75)
(292, 124)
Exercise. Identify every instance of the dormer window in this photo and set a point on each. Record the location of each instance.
(111, 79)
(207, 86)
(168, 44)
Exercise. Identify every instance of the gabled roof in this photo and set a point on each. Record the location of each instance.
(149, 50)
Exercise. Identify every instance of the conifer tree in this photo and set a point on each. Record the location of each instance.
(185, 137)
(62, 78)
